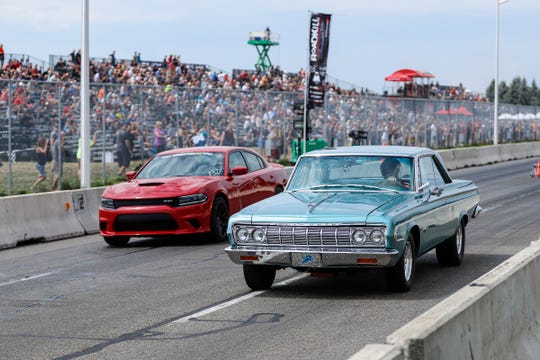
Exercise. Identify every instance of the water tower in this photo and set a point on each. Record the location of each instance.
(262, 42)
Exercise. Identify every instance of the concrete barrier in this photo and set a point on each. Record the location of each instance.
(48, 216)
(494, 317)
(465, 157)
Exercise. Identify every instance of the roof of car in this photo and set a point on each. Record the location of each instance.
(372, 150)
(203, 149)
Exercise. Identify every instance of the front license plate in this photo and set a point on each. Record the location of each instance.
(306, 259)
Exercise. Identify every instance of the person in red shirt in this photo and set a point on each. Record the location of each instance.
(2, 56)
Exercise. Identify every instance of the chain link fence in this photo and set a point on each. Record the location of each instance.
(261, 120)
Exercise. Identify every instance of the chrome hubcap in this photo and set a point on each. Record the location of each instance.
(459, 239)
(408, 261)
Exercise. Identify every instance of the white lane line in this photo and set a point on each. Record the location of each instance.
(234, 301)
(32, 277)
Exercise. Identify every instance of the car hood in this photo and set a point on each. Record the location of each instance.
(157, 188)
(322, 207)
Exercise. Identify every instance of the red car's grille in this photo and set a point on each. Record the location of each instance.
(144, 222)
(173, 202)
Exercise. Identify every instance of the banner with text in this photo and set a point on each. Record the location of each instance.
(319, 39)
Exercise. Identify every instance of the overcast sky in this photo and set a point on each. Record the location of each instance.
(452, 39)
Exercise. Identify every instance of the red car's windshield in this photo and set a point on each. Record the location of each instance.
(184, 164)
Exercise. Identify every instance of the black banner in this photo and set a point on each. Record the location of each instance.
(319, 39)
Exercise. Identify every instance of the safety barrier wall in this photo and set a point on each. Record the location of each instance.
(494, 317)
(48, 216)
(64, 214)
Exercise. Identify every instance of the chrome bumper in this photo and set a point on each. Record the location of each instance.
(327, 258)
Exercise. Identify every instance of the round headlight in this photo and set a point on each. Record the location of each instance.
(242, 234)
(258, 235)
(377, 237)
(359, 236)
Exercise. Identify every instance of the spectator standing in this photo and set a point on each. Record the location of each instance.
(228, 137)
(41, 159)
(2, 57)
(112, 57)
(124, 150)
(160, 138)
(275, 143)
(57, 150)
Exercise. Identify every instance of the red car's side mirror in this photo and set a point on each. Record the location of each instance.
(239, 170)
(130, 174)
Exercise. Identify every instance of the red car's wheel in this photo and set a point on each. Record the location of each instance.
(219, 220)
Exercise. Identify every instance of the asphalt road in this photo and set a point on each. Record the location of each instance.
(184, 299)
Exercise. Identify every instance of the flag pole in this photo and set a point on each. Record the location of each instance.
(306, 84)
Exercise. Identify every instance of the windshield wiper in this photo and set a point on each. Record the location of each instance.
(361, 186)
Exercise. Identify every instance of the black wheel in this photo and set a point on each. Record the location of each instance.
(451, 252)
(278, 190)
(116, 241)
(259, 277)
(400, 277)
(219, 220)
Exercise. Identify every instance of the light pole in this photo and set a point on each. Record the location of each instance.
(496, 95)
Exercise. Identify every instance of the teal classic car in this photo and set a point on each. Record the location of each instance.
(358, 207)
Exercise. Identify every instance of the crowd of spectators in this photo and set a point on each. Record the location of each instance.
(197, 105)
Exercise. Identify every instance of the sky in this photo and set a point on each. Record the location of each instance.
(454, 40)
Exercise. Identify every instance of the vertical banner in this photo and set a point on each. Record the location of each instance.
(319, 39)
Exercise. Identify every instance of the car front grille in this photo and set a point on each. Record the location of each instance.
(144, 222)
(173, 202)
(335, 236)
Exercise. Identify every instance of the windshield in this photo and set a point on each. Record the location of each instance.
(357, 172)
(184, 164)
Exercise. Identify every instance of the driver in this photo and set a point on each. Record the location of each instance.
(390, 168)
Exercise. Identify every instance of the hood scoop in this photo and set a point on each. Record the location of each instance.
(156, 183)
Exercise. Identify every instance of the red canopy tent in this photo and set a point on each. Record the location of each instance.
(409, 76)
(398, 77)
(462, 110)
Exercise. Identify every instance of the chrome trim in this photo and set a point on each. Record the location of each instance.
(330, 258)
(477, 210)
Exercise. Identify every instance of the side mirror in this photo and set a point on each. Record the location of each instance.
(239, 170)
(421, 188)
(130, 174)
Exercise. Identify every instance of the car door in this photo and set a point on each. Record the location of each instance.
(435, 218)
(263, 180)
(243, 184)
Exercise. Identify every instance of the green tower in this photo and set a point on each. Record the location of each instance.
(262, 42)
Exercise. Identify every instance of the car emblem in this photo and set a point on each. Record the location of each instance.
(307, 259)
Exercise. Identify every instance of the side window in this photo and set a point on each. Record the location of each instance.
(236, 159)
(430, 171)
(253, 161)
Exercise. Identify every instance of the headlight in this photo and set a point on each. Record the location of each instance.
(191, 199)
(242, 235)
(107, 203)
(258, 235)
(248, 234)
(377, 237)
(359, 236)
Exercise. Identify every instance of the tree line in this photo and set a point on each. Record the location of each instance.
(518, 92)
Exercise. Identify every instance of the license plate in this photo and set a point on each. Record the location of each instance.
(306, 259)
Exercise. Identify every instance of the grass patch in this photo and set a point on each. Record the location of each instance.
(24, 174)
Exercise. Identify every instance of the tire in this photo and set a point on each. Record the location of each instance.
(116, 241)
(219, 219)
(278, 190)
(400, 277)
(452, 251)
(259, 277)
